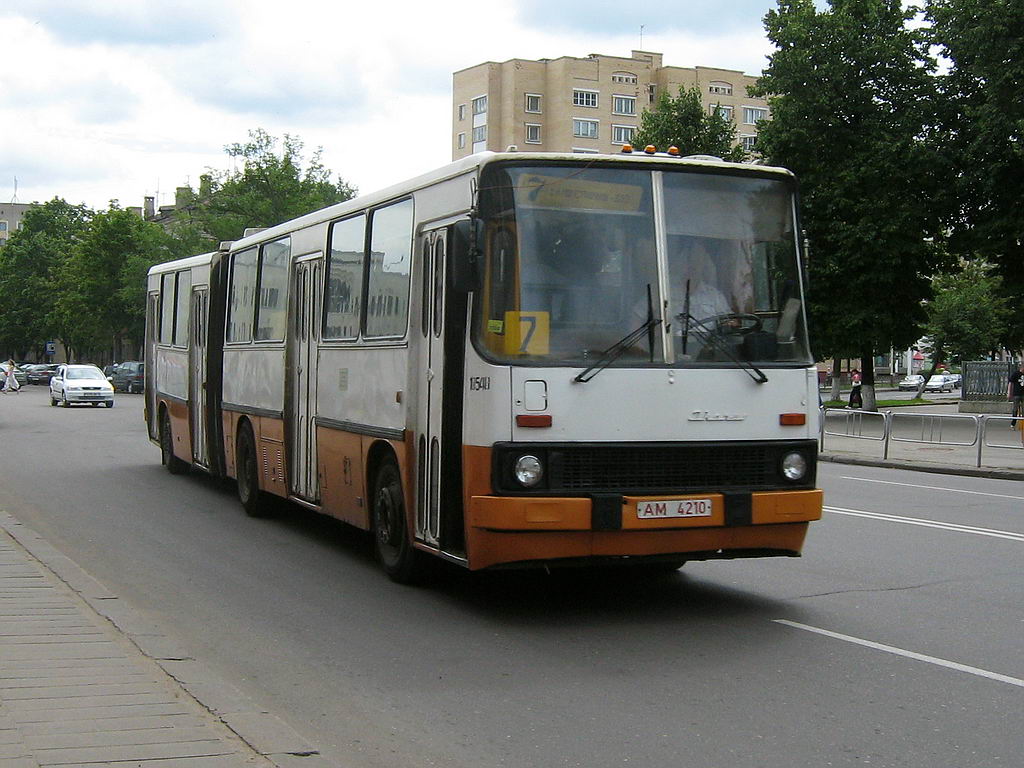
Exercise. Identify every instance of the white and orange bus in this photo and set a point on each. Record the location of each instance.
(521, 359)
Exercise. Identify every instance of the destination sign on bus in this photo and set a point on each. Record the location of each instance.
(579, 194)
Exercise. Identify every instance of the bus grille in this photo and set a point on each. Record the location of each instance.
(656, 469)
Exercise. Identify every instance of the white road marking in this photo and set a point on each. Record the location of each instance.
(909, 654)
(1011, 535)
(933, 488)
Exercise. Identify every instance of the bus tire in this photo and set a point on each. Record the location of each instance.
(399, 559)
(254, 501)
(174, 465)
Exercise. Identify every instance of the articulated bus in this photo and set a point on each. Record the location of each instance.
(521, 359)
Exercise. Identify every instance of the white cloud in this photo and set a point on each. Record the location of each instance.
(100, 103)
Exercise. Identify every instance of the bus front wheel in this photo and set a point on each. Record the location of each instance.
(254, 501)
(174, 465)
(398, 557)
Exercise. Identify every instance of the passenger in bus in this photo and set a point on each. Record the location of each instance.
(695, 284)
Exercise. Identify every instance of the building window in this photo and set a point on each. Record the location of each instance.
(720, 88)
(624, 105)
(462, 141)
(623, 134)
(533, 133)
(479, 105)
(584, 129)
(652, 91)
(3, 226)
(752, 114)
(462, 111)
(480, 133)
(749, 143)
(725, 112)
(533, 102)
(624, 77)
(582, 98)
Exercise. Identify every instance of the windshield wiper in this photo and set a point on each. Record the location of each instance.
(614, 352)
(709, 336)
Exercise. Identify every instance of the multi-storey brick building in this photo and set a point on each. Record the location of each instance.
(584, 105)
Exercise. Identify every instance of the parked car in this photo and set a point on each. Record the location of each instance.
(41, 373)
(80, 384)
(128, 377)
(910, 383)
(939, 383)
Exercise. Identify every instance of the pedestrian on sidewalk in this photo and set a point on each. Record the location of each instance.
(855, 399)
(1015, 393)
(10, 380)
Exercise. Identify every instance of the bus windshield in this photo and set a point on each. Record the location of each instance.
(577, 258)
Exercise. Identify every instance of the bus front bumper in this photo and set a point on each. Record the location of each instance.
(507, 530)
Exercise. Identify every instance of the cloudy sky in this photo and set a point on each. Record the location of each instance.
(111, 99)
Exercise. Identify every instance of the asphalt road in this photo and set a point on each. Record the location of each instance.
(895, 641)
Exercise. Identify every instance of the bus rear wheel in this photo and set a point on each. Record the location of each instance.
(400, 560)
(254, 501)
(174, 465)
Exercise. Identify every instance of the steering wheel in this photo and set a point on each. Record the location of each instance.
(740, 323)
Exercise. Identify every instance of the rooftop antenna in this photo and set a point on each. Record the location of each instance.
(641, 37)
(14, 198)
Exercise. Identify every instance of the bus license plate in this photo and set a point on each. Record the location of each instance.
(658, 510)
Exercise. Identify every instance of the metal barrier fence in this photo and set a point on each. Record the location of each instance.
(941, 429)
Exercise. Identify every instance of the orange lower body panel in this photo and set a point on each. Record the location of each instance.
(519, 530)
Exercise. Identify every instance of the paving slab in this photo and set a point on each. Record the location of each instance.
(75, 691)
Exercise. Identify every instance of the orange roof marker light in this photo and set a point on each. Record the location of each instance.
(650, 149)
(627, 147)
(674, 151)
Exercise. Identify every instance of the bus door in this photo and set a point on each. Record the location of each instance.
(197, 376)
(430, 397)
(307, 279)
(152, 321)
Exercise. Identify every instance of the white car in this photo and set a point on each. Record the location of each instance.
(910, 383)
(80, 384)
(940, 383)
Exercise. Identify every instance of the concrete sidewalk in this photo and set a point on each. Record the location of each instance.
(1002, 453)
(80, 687)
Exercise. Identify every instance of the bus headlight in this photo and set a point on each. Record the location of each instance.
(794, 466)
(528, 470)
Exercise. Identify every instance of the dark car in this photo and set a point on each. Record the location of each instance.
(41, 373)
(129, 377)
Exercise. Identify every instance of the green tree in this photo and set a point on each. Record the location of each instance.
(29, 263)
(982, 121)
(851, 92)
(968, 315)
(102, 285)
(270, 187)
(684, 123)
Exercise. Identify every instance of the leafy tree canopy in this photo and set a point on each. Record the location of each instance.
(968, 316)
(102, 284)
(850, 90)
(269, 187)
(28, 264)
(683, 122)
(982, 132)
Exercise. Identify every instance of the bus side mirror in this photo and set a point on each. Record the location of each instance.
(464, 272)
